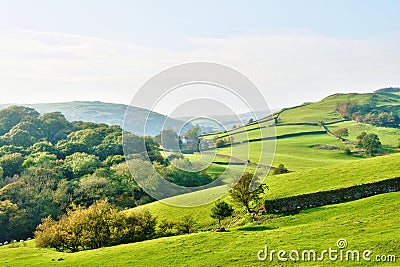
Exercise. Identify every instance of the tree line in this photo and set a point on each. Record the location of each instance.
(49, 165)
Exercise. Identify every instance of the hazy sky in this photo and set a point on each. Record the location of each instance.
(295, 51)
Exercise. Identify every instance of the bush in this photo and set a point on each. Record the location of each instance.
(167, 227)
(281, 169)
(98, 226)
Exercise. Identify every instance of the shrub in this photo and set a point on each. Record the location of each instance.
(167, 227)
(347, 151)
(281, 169)
(100, 225)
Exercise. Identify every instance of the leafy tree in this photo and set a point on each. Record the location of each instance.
(100, 225)
(11, 149)
(341, 132)
(113, 160)
(40, 159)
(281, 169)
(183, 173)
(168, 139)
(192, 137)
(369, 142)
(133, 144)
(94, 188)
(43, 146)
(11, 164)
(220, 143)
(13, 221)
(79, 164)
(88, 137)
(247, 192)
(66, 148)
(167, 227)
(55, 126)
(187, 225)
(220, 211)
(13, 115)
(18, 137)
(359, 139)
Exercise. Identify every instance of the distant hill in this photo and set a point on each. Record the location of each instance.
(109, 113)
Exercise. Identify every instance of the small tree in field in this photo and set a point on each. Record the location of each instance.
(341, 132)
(220, 211)
(247, 191)
(281, 169)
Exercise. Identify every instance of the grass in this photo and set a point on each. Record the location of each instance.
(370, 223)
(334, 176)
(295, 183)
(388, 136)
(323, 110)
(296, 153)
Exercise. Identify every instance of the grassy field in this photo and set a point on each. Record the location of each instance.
(370, 223)
(388, 136)
(323, 110)
(284, 185)
(296, 153)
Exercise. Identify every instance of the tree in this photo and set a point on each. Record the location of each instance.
(13, 221)
(192, 137)
(369, 142)
(168, 139)
(11, 164)
(55, 126)
(80, 164)
(220, 211)
(187, 225)
(341, 132)
(359, 139)
(281, 169)
(247, 191)
(13, 115)
(98, 226)
(220, 143)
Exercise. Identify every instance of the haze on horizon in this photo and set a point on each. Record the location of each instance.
(102, 51)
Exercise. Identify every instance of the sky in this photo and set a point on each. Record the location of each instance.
(294, 51)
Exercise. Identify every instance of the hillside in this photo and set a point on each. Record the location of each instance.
(301, 182)
(109, 113)
(301, 142)
(370, 223)
(301, 139)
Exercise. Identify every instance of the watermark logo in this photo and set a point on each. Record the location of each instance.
(339, 253)
(209, 95)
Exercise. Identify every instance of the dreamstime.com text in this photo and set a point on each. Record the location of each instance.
(338, 253)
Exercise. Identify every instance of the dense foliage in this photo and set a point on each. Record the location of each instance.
(48, 165)
(98, 226)
(368, 113)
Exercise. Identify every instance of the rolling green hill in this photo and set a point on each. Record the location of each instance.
(318, 163)
(301, 182)
(366, 224)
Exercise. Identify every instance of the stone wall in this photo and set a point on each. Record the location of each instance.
(300, 202)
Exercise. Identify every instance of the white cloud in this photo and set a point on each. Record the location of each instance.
(289, 69)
